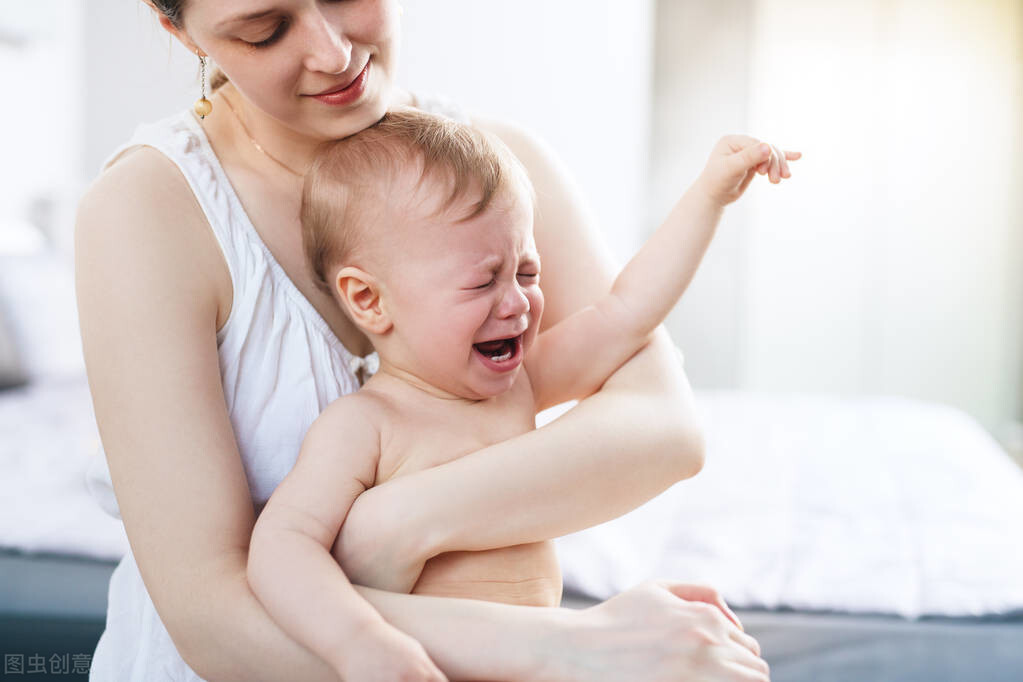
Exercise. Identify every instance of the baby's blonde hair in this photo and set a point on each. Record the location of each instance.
(345, 197)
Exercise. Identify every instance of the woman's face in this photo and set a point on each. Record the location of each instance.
(280, 53)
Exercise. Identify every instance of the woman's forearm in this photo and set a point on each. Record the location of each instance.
(235, 638)
(471, 639)
(232, 637)
(611, 453)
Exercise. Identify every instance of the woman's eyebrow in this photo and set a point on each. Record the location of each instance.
(250, 16)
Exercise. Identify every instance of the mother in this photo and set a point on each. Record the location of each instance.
(210, 351)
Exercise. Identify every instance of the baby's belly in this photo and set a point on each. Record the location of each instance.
(527, 574)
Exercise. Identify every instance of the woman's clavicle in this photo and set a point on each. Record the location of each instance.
(272, 208)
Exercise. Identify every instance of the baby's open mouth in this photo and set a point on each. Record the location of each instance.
(499, 350)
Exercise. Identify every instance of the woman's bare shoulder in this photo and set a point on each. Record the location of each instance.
(144, 171)
(577, 266)
(142, 209)
(526, 144)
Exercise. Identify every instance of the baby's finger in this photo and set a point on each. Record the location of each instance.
(752, 156)
(783, 164)
(775, 172)
(785, 158)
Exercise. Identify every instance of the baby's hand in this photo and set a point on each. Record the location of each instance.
(733, 163)
(382, 653)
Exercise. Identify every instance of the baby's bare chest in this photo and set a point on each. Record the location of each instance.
(418, 440)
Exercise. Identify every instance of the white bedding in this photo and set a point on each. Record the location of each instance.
(810, 502)
(48, 437)
(861, 505)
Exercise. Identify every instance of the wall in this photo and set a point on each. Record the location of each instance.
(577, 72)
(701, 92)
(891, 262)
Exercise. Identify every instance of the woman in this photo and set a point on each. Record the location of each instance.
(210, 351)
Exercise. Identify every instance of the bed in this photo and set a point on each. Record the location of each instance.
(858, 538)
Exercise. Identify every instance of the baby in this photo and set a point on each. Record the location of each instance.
(422, 229)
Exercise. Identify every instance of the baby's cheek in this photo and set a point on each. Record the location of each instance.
(536, 301)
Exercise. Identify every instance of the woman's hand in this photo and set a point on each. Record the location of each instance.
(385, 654)
(659, 631)
(733, 163)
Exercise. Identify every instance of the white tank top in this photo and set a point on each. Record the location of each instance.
(280, 365)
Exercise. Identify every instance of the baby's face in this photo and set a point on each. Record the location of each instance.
(465, 299)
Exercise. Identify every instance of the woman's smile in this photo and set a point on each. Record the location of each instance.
(348, 93)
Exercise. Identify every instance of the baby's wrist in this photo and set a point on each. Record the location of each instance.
(702, 193)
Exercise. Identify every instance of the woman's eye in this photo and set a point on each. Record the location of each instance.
(484, 286)
(529, 275)
(273, 38)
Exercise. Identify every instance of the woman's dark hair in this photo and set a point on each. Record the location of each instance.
(172, 9)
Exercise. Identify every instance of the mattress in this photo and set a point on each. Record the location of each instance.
(52, 605)
(52, 612)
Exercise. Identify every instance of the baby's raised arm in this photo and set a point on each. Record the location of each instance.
(290, 567)
(576, 356)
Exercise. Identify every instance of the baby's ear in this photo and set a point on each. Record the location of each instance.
(359, 292)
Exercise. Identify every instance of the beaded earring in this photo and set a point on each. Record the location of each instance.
(203, 106)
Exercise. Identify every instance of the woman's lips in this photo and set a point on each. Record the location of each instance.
(347, 94)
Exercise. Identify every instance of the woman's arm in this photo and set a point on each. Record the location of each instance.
(624, 445)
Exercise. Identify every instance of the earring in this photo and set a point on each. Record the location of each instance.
(203, 106)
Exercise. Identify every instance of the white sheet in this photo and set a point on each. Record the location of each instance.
(48, 438)
(879, 504)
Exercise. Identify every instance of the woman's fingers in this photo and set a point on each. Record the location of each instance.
(702, 593)
(745, 640)
(744, 658)
(743, 673)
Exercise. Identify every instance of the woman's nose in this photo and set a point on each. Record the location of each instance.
(328, 49)
(513, 303)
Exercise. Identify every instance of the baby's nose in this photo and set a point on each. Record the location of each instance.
(513, 303)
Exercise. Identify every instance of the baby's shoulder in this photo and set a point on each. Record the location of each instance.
(360, 411)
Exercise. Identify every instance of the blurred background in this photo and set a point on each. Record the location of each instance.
(891, 263)
(854, 336)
